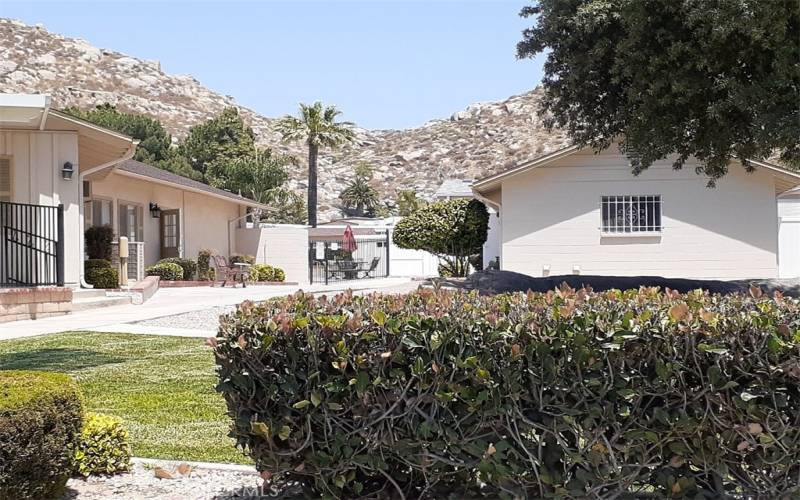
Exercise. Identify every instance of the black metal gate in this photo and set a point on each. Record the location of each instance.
(331, 261)
(32, 246)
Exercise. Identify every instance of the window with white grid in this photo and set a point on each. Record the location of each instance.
(631, 214)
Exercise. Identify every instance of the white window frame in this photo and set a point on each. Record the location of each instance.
(140, 228)
(89, 216)
(642, 203)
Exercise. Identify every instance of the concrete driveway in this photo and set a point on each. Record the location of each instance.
(172, 301)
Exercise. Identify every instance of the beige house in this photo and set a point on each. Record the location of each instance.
(577, 212)
(59, 175)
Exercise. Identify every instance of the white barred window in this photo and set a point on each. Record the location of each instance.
(631, 214)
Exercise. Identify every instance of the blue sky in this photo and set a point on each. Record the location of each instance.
(386, 64)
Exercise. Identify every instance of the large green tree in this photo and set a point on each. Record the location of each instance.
(317, 126)
(210, 146)
(713, 79)
(154, 141)
(155, 144)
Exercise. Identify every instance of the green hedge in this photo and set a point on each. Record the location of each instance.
(103, 447)
(40, 423)
(564, 394)
(96, 264)
(98, 242)
(188, 265)
(167, 271)
(265, 272)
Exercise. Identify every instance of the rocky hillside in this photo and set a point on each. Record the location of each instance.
(479, 140)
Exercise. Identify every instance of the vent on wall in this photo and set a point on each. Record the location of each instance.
(5, 179)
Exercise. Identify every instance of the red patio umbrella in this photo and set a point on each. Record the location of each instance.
(349, 240)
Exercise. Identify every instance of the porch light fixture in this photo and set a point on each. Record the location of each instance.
(155, 210)
(67, 170)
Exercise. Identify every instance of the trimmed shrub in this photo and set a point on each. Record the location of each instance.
(188, 265)
(96, 264)
(568, 393)
(103, 447)
(454, 228)
(244, 259)
(100, 274)
(265, 272)
(98, 241)
(278, 275)
(204, 269)
(40, 423)
(167, 271)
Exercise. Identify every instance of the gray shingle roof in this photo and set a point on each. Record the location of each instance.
(454, 188)
(145, 170)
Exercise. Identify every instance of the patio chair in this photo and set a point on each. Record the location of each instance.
(227, 272)
(372, 267)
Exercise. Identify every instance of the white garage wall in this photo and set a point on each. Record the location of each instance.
(551, 216)
(284, 246)
(789, 236)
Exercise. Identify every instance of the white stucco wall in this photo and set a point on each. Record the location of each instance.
(551, 216)
(789, 236)
(204, 219)
(36, 161)
(494, 243)
(284, 246)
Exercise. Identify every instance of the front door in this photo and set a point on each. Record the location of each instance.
(170, 234)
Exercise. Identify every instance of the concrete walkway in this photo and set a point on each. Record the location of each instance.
(171, 301)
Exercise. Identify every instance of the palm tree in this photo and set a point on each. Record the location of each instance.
(317, 127)
(361, 196)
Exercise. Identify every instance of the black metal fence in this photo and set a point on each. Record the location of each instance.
(331, 261)
(32, 247)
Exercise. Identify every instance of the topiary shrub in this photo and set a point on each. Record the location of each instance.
(167, 271)
(40, 423)
(451, 229)
(100, 274)
(189, 266)
(98, 241)
(278, 275)
(204, 269)
(103, 446)
(265, 272)
(565, 394)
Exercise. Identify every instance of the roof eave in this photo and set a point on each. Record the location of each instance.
(238, 201)
(492, 181)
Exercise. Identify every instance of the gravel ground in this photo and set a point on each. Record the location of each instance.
(141, 483)
(206, 319)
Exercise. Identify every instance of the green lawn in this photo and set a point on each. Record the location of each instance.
(162, 387)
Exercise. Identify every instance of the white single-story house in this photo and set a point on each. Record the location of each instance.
(575, 211)
(60, 175)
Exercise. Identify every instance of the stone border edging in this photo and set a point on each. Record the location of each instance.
(198, 465)
(210, 284)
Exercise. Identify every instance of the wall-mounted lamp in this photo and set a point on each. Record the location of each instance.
(67, 170)
(155, 210)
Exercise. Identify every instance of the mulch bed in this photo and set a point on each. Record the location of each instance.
(495, 281)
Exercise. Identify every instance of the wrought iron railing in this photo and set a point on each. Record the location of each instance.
(335, 260)
(32, 247)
